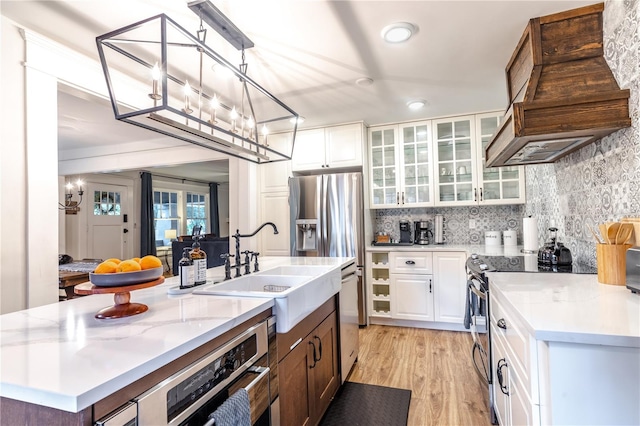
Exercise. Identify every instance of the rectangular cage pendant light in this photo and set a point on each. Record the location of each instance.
(170, 82)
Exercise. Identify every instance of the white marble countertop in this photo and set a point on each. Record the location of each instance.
(572, 308)
(60, 356)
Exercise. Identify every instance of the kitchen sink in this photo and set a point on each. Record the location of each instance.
(296, 290)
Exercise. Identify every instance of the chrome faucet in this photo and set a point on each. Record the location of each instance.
(238, 235)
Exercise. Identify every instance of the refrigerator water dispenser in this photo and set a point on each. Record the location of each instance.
(306, 235)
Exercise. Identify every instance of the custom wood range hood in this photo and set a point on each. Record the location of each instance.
(562, 93)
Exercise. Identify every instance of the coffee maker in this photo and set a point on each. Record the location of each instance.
(422, 231)
(405, 231)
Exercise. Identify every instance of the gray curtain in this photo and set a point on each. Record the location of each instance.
(213, 208)
(147, 231)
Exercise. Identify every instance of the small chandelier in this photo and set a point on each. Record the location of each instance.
(171, 83)
(69, 205)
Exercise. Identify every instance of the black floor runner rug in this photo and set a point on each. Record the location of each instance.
(367, 405)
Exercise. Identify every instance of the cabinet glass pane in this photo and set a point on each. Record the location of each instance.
(389, 156)
(409, 175)
(390, 176)
(390, 196)
(423, 195)
(447, 193)
(445, 151)
(376, 138)
(388, 137)
(510, 190)
(462, 129)
(376, 157)
(378, 196)
(491, 191)
(463, 149)
(488, 126)
(377, 177)
(409, 154)
(463, 173)
(465, 192)
(510, 172)
(445, 130)
(422, 134)
(491, 174)
(408, 135)
(423, 174)
(423, 153)
(410, 194)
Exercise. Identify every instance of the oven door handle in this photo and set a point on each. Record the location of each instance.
(262, 371)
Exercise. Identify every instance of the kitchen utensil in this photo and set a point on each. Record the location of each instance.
(612, 232)
(603, 231)
(594, 235)
(546, 252)
(635, 235)
(624, 233)
(438, 230)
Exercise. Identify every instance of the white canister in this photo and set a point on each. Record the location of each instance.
(493, 238)
(510, 237)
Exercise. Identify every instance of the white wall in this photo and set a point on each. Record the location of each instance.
(13, 165)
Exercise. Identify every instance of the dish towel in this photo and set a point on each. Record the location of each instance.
(235, 411)
(473, 306)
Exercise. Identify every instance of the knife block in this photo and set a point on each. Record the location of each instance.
(612, 263)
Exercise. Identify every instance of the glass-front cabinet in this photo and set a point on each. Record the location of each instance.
(439, 163)
(401, 165)
(498, 185)
(455, 154)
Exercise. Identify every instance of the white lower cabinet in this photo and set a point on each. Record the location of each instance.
(412, 297)
(450, 283)
(426, 288)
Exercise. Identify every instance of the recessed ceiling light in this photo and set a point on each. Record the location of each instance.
(417, 104)
(364, 81)
(398, 32)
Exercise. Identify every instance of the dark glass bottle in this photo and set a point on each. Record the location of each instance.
(186, 270)
(199, 258)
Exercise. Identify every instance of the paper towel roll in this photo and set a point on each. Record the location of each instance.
(530, 234)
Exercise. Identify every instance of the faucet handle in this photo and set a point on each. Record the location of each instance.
(227, 265)
(256, 267)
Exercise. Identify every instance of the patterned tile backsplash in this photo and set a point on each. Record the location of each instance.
(456, 221)
(599, 183)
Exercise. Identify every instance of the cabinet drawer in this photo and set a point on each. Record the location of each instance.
(519, 344)
(408, 262)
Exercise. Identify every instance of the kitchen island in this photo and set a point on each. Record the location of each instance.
(566, 349)
(60, 356)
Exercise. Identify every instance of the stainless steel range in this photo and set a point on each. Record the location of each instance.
(479, 306)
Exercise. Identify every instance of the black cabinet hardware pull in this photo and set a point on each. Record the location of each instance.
(502, 323)
(481, 195)
(319, 347)
(314, 355)
(430, 286)
(410, 262)
(475, 194)
(503, 387)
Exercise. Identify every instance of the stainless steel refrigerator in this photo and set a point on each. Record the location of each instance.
(327, 219)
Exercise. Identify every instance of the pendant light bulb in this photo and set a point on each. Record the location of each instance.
(155, 72)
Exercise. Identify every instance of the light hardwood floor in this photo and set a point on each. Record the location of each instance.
(434, 364)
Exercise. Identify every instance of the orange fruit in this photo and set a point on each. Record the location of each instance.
(150, 262)
(106, 267)
(137, 259)
(114, 260)
(128, 266)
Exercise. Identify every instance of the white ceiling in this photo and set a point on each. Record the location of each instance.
(309, 53)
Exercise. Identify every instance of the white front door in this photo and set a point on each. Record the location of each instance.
(107, 221)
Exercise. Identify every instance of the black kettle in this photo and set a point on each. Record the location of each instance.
(553, 252)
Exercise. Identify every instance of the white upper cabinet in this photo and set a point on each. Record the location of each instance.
(401, 165)
(497, 185)
(326, 148)
(462, 176)
(274, 177)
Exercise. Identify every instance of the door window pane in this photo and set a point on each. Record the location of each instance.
(106, 203)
